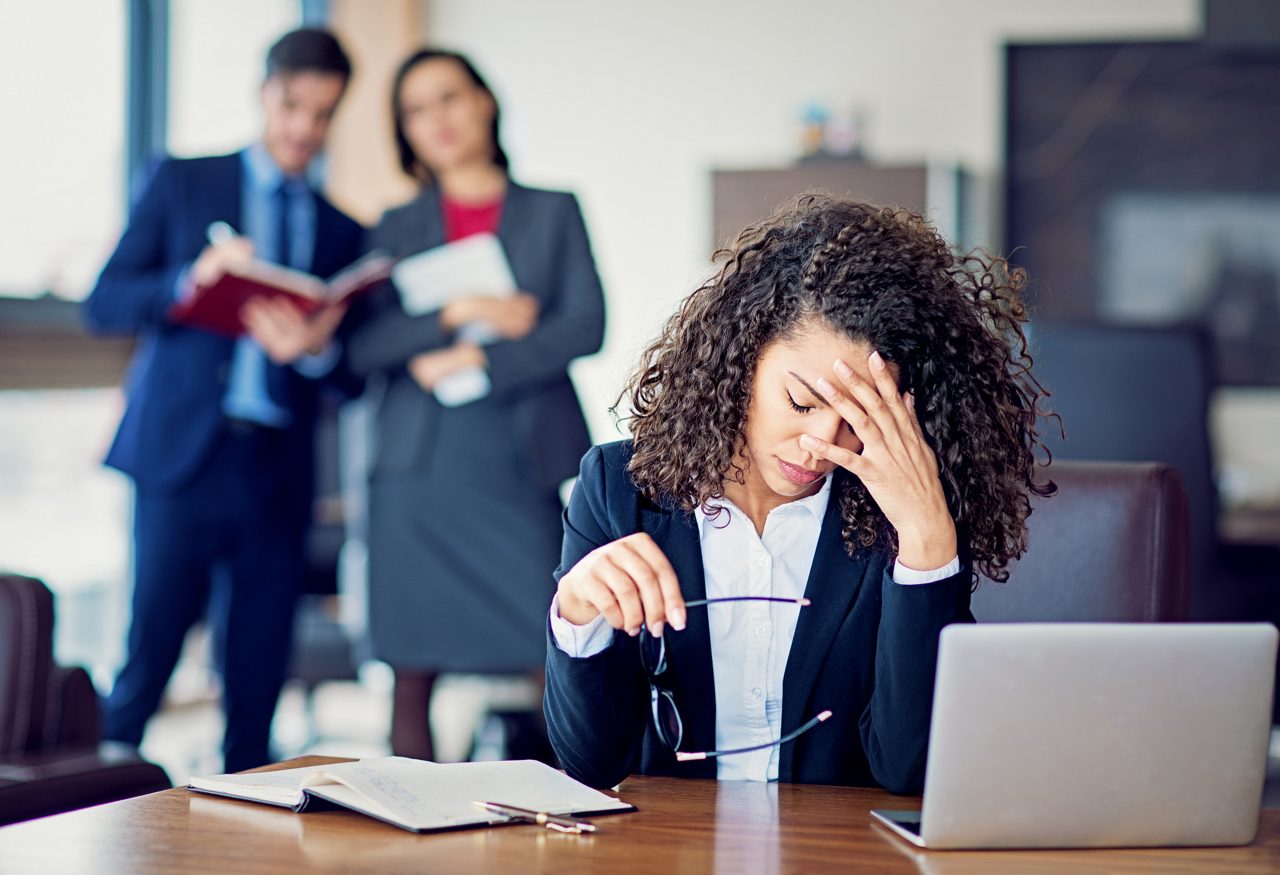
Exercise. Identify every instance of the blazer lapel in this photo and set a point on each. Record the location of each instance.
(834, 581)
(428, 224)
(219, 192)
(323, 251)
(688, 652)
(229, 193)
(514, 217)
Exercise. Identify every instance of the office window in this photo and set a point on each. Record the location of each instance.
(65, 518)
(62, 108)
(216, 63)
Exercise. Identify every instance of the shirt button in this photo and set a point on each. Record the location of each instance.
(762, 562)
(757, 693)
(760, 630)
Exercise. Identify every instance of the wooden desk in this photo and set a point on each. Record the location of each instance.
(682, 826)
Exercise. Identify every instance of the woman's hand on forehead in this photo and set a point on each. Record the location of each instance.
(895, 463)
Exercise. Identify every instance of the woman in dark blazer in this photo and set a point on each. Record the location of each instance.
(464, 505)
(830, 439)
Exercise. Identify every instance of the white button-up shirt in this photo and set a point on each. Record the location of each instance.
(750, 641)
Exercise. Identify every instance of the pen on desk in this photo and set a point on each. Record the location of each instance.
(542, 818)
(219, 233)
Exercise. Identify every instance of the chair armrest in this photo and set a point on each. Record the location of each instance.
(63, 779)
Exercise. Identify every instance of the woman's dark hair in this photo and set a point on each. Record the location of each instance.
(952, 323)
(409, 162)
(308, 50)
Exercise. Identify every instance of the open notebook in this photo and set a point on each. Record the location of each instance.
(417, 795)
(217, 307)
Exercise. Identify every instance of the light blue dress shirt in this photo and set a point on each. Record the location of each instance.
(247, 396)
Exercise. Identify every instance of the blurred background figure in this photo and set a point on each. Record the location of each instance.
(464, 507)
(218, 433)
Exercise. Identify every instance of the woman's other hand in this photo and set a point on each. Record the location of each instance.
(630, 581)
(895, 464)
(429, 368)
(512, 317)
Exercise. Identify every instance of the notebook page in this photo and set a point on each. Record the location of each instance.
(423, 795)
(281, 787)
(396, 789)
(271, 274)
(523, 783)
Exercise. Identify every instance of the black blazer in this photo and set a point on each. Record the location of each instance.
(546, 242)
(178, 375)
(865, 649)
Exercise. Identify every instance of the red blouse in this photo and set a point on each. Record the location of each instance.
(462, 220)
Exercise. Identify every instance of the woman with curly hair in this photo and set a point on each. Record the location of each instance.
(831, 438)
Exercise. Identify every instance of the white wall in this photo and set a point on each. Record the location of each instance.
(631, 105)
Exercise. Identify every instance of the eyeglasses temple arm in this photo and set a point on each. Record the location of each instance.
(802, 602)
(687, 756)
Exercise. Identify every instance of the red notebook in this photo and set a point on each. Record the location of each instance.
(217, 307)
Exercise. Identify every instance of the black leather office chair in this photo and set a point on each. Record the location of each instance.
(1111, 546)
(1139, 395)
(51, 757)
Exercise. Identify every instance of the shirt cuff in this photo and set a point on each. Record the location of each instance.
(579, 642)
(183, 287)
(910, 577)
(320, 364)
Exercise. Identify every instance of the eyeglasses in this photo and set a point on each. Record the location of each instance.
(666, 716)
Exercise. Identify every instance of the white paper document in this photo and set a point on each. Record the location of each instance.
(475, 265)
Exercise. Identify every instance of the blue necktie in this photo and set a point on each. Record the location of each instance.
(259, 390)
(277, 375)
(284, 242)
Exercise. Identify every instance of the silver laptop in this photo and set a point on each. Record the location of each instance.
(1090, 735)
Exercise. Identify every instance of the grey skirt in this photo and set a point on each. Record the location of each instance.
(461, 552)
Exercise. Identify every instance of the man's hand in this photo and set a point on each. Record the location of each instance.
(215, 260)
(285, 332)
(429, 368)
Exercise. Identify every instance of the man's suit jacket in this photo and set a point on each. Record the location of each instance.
(546, 243)
(865, 648)
(178, 376)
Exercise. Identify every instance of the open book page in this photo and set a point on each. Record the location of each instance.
(397, 790)
(475, 265)
(522, 783)
(357, 276)
(420, 795)
(360, 275)
(278, 276)
(283, 787)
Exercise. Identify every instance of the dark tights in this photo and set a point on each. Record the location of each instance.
(411, 714)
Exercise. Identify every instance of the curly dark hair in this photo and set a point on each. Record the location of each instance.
(952, 323)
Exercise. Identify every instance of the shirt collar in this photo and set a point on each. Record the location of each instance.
(815, 505)
(265, 174)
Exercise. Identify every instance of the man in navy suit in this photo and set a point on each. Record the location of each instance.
(217, 434)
